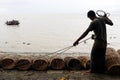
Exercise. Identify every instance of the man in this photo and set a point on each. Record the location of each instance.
(98, 26)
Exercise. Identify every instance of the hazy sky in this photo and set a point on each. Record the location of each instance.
(57, 6)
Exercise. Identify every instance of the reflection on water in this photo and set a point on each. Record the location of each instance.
(50, 32)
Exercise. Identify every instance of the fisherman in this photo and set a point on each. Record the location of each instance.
(98, 26)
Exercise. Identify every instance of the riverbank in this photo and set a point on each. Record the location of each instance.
(53, 75)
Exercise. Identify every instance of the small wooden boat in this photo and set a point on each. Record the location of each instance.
(13, 22)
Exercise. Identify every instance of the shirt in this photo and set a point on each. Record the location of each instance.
(98, 26)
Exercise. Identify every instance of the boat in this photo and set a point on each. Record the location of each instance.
(13, 22)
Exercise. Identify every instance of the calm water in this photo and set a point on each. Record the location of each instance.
(51, 32)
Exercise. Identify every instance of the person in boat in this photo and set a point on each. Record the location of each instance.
(98, 26)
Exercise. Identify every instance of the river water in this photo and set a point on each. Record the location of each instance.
(51, 32)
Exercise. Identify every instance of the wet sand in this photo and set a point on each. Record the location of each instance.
(54, 75)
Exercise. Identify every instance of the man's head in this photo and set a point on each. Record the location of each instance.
(91, 14)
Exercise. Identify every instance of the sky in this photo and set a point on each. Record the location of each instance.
(57, 6)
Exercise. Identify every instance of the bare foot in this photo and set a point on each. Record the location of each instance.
(88, 71)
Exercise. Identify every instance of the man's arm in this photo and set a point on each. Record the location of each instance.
(81, 37)
(108, 21)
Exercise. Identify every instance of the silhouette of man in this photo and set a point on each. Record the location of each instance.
(98, 26)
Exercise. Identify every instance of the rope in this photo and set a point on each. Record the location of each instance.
(60, 51)
(103, 13)
(65, 49)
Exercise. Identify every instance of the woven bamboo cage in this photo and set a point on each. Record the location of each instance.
(85, 61)
(9, 61)
(2, 55)
(24, 62)
(110, 51)
(57, 63)
(40, 63)
(118, 51)
(72, 63)
(112, 61)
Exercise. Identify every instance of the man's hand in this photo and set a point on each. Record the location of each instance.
(75, 43)
(93, 36)
(105, 15)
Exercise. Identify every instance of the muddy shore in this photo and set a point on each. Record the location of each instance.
(54, 75)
